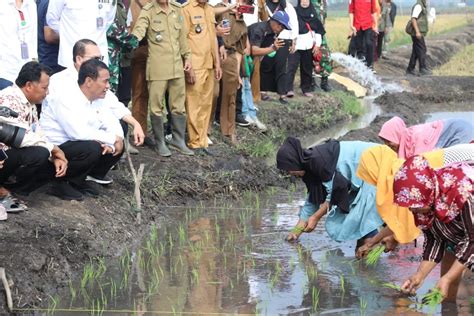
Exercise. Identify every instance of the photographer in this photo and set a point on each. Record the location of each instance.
(26, 149)
(264, 42)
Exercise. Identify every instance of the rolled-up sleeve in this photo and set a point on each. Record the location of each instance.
(53, 16)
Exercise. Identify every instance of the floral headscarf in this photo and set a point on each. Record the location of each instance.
(445, 190)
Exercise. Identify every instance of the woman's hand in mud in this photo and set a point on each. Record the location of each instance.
(296, 231)
(443, 285)
(412, 284)
(390, 243)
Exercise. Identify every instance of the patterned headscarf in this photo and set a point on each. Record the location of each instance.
(445, 190)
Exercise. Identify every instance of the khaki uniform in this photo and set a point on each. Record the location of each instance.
(200, 22)
(167, 47)
(235, 44)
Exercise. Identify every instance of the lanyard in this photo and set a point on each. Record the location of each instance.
(22, 18)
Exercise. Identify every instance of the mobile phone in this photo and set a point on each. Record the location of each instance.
(3, 155)
(225, 23)
(247, 9)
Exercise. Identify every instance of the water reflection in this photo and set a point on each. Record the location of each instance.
(234, 261)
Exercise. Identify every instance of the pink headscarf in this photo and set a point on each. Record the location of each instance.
(413, 140)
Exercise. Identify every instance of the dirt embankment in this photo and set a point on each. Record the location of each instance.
(43, 248)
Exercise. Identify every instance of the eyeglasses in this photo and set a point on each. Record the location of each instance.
(101, 58)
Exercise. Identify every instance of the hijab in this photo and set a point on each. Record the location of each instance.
(319, 163)
(276, 6)
(309, 16)
(444, 190)
(412, 140)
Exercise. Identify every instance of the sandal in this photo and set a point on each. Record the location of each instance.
(12, 204)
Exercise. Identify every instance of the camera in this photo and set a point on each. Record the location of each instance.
(9, 134)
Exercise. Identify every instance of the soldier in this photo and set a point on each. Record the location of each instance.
(325, 68)
(163, 24)
(200, 21)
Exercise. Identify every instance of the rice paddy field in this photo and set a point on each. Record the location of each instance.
(462, 64)
(337, 28)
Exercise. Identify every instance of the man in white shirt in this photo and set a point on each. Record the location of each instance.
(27, 155)
(83, 51)
(18, 34)
(76, 19)
(75, 120)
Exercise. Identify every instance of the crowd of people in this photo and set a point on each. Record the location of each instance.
(423, 178)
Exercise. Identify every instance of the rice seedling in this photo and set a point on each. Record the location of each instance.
(362, 305)
(433, 298)
(72, 291)
(113, 288)
(181, 234)
(315, 298)
(392, 286)
(374, 255)
(52, 305)
(341, 278)
(195, 276)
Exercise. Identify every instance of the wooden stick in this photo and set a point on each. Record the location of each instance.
(137, 179)
(3, 276)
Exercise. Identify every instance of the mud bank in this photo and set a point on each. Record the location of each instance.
(45, 247)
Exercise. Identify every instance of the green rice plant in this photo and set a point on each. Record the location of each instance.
(52, 305)
(315, 298)
(195, 276)
(297, 230)
(433, 298)
(374, 255)
(341, 278)
(362, 305)
(181, 234)
(113, 288)
(472, 301)
(392, 286)
(72, 291)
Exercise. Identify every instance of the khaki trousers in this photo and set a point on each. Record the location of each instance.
(230, 84)
(215, 97)
(139, 86)
(255, 80)
(199, 107)
(176, 90)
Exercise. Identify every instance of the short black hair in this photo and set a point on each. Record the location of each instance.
(90, 69)
(31, 72)
(79, 48)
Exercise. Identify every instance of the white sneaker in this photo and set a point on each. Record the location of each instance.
(260, 125)
(209, 141)
(249, 119)
(168, 138)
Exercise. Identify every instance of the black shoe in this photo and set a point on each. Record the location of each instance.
(283, 100)
(203, 152)
(149, 142)
(241, 121)
(325, 84)
(410, 72)
(86, 189)
(425, 72)
(100, 180)
(65, 191)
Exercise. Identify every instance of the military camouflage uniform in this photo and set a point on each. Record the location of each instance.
(325, 63)
(120, 42)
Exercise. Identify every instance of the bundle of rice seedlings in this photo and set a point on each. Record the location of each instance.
(433, 297)
(297, 230)
(374, 255)
(392, 286)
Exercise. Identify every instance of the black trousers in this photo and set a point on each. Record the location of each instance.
(238, 102)
(124, 92)
(25, 163)
(418, 52)
(303, 59)
(273, 71)
(364, 45)
(380, 37)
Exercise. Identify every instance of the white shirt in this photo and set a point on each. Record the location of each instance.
(250, 19)
(416, 11)
(68, 78)
(307, 40)
(70, 116)
(295, 29)
(78, 19)
(13, 33)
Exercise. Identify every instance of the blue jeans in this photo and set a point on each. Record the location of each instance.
(4, 83)
(248, 108)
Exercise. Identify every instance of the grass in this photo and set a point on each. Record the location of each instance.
(461, 64)
(338, 29)
(261, 147)
(350, 104)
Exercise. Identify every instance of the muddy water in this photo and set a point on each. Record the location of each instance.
(231, 259)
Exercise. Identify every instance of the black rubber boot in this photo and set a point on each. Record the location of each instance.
(178, 128)
(158, 130)
(325, 84)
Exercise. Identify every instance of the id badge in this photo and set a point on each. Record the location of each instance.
(24, 51)
(100, 22)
